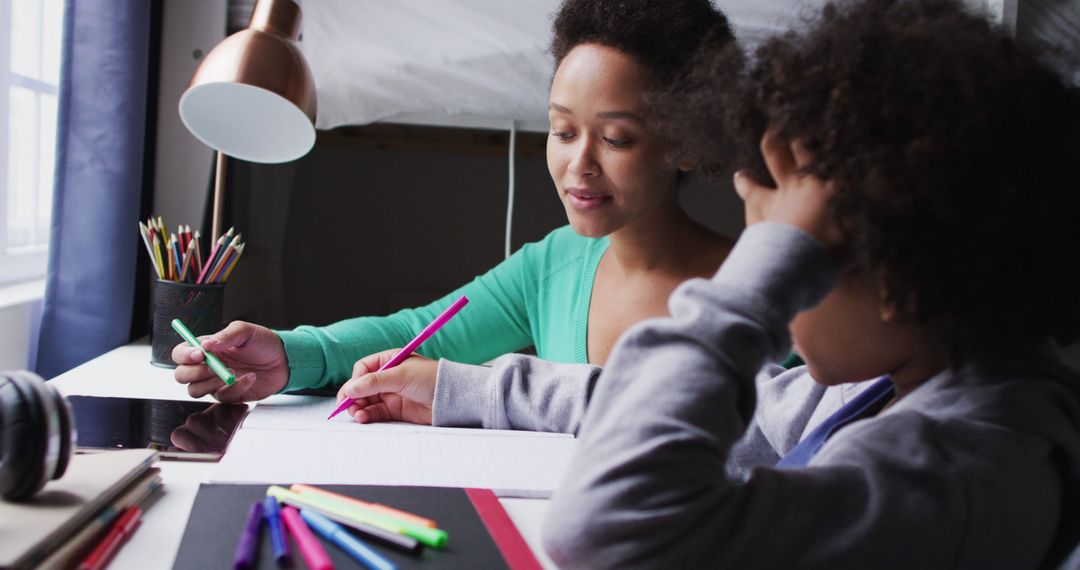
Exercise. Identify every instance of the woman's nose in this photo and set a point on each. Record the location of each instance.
(583, 161)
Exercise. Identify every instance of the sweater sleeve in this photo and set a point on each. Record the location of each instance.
(496, 321)
(515, 392)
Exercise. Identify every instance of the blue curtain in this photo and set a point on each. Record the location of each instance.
(102, 125)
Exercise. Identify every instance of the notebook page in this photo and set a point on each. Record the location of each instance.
(310, 413)
(510, 465)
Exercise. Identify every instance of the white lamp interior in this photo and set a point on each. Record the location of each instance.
(247, 122)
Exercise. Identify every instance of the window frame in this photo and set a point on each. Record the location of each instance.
(29, 263)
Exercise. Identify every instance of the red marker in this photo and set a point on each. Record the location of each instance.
(120, 531)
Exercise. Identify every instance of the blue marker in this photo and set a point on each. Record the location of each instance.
(344, 540)
(278, 541)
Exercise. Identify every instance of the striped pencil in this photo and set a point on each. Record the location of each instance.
(210, 259)
(228, 270)
(223, 259)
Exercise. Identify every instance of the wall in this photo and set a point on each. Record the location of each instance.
(20, 320)
(388, 216)
(183, 165)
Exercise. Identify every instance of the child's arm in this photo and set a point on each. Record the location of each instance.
(648, 484)
(515, 392)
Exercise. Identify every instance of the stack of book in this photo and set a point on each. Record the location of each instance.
(63, 523)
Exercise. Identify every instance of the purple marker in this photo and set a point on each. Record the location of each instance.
(278, 541)
(244, 557)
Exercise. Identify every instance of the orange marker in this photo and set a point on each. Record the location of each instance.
(388, 511)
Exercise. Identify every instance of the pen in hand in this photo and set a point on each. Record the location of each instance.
(212, 361)
(413, 344)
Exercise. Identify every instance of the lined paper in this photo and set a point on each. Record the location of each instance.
(310, 412)
(290, 440)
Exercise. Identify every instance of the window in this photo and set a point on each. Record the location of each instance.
(30, 34)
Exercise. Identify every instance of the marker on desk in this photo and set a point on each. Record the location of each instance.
(278, 541)
(123, 528)
(433, 537)
(391, 536)
(413, 345)
(314, 555)
(344, 540)
(212, 361)
(244, 557)
(389, 511)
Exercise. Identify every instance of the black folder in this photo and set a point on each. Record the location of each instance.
(481, 535)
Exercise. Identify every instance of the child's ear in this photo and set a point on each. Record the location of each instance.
(888, 309)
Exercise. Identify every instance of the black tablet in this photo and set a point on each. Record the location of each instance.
(177, 429)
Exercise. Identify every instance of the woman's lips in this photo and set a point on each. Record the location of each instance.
(581, 200)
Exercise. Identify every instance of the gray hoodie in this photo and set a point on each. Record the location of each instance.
(976, 468)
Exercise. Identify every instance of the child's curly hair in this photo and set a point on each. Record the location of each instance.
(953, 155)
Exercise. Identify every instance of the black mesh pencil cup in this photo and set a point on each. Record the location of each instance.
(197, 306)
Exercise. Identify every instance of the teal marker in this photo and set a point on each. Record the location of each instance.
(211, 360)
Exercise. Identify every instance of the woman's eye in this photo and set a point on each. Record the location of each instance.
(617, 143)
(562, 135)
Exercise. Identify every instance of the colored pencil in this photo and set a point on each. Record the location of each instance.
(224, 259)
(198, 253)
(210, 260)
(228, 270)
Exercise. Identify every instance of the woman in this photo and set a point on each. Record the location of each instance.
(627, 246)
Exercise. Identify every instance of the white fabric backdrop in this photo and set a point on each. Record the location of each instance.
(462, 61)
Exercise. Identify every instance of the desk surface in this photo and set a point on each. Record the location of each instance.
(127, 372)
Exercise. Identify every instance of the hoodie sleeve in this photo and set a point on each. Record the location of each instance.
(515, 392)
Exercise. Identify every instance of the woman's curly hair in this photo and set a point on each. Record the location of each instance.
(662, 36)
(665, 37)
(953, 156)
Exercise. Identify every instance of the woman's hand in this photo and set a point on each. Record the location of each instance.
(799, 199)
(402, 393)
(253, 353)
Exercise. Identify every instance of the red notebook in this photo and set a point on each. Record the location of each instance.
(481, 534)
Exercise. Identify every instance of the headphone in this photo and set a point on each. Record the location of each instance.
(37, 434)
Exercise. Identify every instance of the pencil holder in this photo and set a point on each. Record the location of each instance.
(197, 306)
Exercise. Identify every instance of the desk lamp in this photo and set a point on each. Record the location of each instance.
(253, 96)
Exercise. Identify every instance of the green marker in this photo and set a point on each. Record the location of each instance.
(211, 360)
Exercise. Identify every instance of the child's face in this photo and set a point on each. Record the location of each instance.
(853, 334)
(607, 165)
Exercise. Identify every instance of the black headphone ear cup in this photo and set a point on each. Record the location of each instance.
(22, 471)
(68, 437)
(47, 400)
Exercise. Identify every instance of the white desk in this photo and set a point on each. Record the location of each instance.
(127, 371)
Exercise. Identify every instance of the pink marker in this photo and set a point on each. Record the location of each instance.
(413, 344)
(314, 555)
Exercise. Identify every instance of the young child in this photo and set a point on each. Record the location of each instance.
(920, 229)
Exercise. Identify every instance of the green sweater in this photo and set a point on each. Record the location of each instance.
(538, 297)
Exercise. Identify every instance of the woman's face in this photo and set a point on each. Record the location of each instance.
(608, 166)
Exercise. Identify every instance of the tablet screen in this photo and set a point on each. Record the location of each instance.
(177, 429)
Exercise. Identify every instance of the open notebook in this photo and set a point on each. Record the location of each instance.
(291, 440)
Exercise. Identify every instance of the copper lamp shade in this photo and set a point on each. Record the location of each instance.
(253, 96)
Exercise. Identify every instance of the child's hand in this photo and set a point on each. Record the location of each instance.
(799, 199)
(253, 353)
(402, 393)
